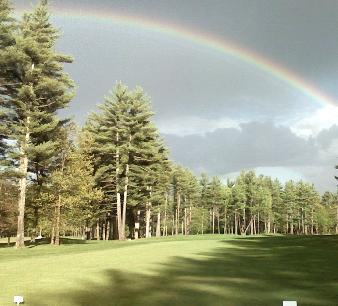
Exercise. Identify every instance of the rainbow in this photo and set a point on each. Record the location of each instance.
(204, 40)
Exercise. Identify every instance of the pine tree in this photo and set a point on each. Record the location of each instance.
(7, 80)
(40, 89)
(128, 149)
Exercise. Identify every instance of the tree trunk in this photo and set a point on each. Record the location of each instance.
(190, 219)
(218, 227)
(137, 225)
(291, 227)
(118, 195)
(148, 215)
(20, 237)
(57, 223)
(252, 226)
(303, 225)
(202, 229)
(165, 229)
(213, 220)
(225, 220)
(98, 230)
(258, 224)
(104, 228)
(52, 236)
(158, 225)
(244, 220)
(124, 208)
(185, 221)
(178, 212)
(236, 229)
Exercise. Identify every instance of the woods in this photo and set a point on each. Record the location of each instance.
(113, 178)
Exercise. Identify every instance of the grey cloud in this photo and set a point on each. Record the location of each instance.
(257, 145)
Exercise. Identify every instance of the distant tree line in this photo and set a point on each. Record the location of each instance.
(112, 179)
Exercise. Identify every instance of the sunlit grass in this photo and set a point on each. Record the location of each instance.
(200, 270)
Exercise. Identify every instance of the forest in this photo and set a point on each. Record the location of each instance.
(113, 178)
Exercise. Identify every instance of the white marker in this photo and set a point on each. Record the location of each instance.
(289, 303)
(18, 299)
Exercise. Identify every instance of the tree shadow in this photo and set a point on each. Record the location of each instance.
(251, 271)
(42, 241)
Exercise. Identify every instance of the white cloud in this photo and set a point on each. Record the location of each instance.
(190, 125)
(315, 122)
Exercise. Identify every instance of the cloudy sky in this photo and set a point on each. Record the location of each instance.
(218, 114)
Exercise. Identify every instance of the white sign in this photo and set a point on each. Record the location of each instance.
(289, 303)
(18, 299)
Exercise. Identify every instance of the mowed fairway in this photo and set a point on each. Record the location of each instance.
(200, 270)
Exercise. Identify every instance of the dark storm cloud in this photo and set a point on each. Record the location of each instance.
(258, 145)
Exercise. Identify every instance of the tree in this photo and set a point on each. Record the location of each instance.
(128, 149)
(74, 192)
(8, 193)
(7, 81)
(38, 90)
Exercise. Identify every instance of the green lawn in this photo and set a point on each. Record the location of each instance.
(201, 270)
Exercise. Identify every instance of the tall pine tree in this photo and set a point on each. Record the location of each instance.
(38, 90)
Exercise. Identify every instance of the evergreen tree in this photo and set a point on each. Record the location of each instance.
(128, 149)
(40, 89)
(7, 80)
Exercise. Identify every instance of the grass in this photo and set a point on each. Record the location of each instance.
(200, 270)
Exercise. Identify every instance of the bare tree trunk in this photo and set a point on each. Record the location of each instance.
(185, 221)
(148, 215)
(137, 225)
(52, 236)
(109, 228)
(190, 219)
(125, 195)
(213, 220)
(218, 227)
(252, 226)
(158, 225)
(118, 195)
(291, 227)
(165, 230)
(244, 220)
(202, 222)
(57, 223)
(303, 217)
(104, 228)
(258, 224)
(20, 237)
(225, 220)
(178, 212)
(236, 229)
(176, 222)
(98, 229)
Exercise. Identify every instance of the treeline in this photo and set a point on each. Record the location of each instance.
(113, 178)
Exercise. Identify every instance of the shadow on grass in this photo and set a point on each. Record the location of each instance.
(43, 241)
(251, 271)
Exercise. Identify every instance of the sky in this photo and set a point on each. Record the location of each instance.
(219, 114)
